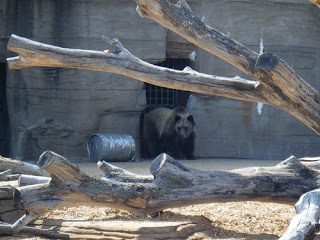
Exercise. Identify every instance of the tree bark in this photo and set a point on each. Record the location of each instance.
(297, 97)
(32, 54)
(19, 167)
(173, 185)
(25, 180)
(30, 231)
(279, 86)
(316, 2)
(305, 225)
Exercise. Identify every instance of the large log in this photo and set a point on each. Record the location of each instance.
(35, 54)
(173, 185)
(305, 225)
(19, 167)
(278, 85)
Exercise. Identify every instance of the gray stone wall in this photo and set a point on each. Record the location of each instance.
(58, 109)
(235, 129)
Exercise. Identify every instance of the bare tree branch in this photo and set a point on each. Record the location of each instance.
(316, 2)
(32, 54)
(294, 95)
(280, 85)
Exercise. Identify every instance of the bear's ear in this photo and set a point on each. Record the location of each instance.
(190, 118)
(177, 118)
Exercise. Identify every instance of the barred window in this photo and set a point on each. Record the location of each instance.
(163, 97)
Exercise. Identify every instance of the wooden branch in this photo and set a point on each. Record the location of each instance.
(35, 54)
(316, 2)
(174, 185)
(280, 86)
(121, 175)
(5, 228)
(305, 225)
(19, 167)
(25, 180)
(4, 174)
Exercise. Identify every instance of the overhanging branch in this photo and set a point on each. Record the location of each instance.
(280, 85)
(35, 54)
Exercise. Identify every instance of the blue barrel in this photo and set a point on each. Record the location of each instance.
(111, 147)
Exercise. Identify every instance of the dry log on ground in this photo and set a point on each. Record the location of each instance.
(25, 180)
(30, 231)
(4, 174)
(305, 225)
(131, 229)
(19, 167)
(174, 185)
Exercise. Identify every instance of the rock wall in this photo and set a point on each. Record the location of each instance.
(59, 109)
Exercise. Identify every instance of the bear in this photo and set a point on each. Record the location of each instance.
(171, 131)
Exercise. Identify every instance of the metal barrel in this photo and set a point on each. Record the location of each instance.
(112, 147)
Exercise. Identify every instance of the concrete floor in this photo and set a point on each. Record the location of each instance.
(143, 167)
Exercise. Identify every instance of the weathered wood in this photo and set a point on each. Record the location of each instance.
(121, 175)
(174, 185)
(25, 180)
(305, 225)
(4, 174)
(316, 2)
(30, 231)
(279, 86)
(19, 167)
(32, 54)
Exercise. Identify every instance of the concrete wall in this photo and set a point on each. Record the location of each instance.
(249, 130)
(58, 109)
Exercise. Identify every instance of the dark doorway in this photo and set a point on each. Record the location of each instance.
(4, 119)
(164, 97)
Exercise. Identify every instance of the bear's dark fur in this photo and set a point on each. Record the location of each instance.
(169, 131)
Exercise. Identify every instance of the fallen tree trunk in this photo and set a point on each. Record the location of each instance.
(173, 185)
(131, 229)
(30, 231)
(279, 85)
(19, 167)
(25, 180)
(305, 225)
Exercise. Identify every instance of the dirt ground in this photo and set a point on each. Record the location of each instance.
(234, 220)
